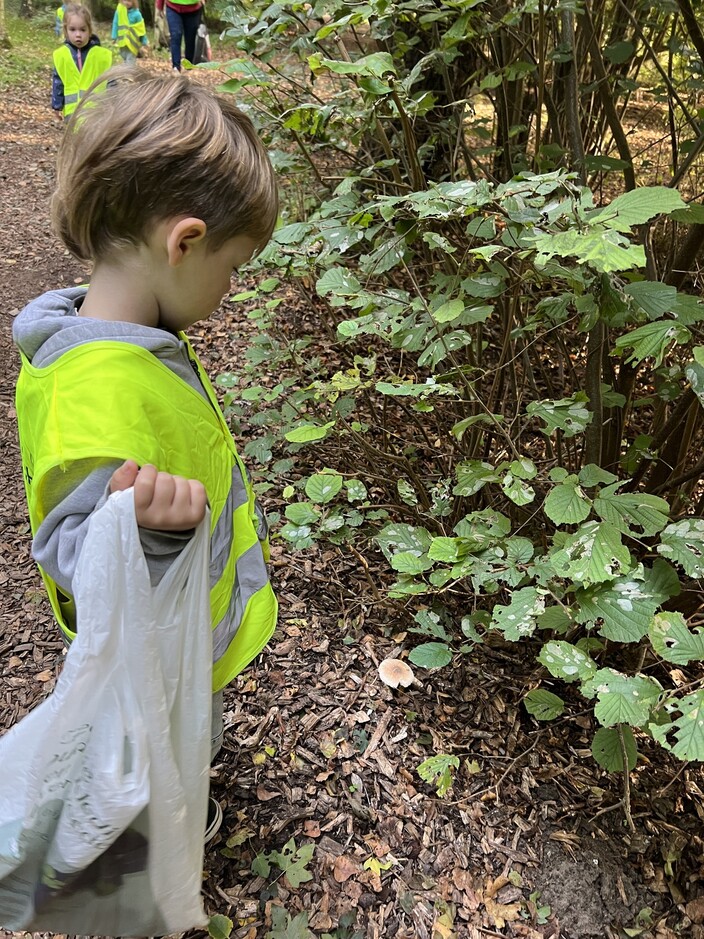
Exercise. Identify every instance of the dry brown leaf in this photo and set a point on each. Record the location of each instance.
(46, 675)
(344, 868)
(502, 913)
(264, 795)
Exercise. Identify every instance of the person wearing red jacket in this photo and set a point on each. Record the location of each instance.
(183, 18)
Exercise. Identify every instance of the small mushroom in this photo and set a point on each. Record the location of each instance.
(394, 672)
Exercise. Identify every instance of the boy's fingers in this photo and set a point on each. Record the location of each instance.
(124, 476)
(144, 486)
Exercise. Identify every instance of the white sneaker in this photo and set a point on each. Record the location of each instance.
(212, 825)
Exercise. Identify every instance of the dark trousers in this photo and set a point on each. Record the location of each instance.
(182, 26)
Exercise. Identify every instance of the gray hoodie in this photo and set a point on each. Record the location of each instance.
(43, 331)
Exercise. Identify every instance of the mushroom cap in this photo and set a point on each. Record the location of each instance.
(394, 672)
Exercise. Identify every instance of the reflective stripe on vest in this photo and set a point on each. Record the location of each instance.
(65, 415)
(129, 34)
(96, 61)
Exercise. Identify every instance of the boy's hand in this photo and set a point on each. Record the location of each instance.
(162, 502)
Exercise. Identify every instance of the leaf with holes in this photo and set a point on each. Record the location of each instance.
(518, 619)
(683, 543)
(625, 607)
(687, 726)
(543, 705)
(622, 699)
(674, 641)
(592, 555)
(626, 510)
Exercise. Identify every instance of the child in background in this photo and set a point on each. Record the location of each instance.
(128, 30)
(167, 189)
(59, 20)
(78, 62)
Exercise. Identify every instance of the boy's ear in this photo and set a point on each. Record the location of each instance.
(181, 236)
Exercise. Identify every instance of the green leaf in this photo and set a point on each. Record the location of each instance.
(563, 660)
(377, 64)
(625, 510)
(605, 250)
(294, 862)
(407, 562)
(261, 866)
(652, 341)
(473, 475)
(437, 770)
(339, 282)
(400, 537)
(683, 543)
(638, 207)
(688, 727)
(449, 311)
(606, 748)
(593, 475)
(543, 705)
(518, 619)
(283, 927)
(323, 487)
(556, 618)
(517, 490)
(429, 624)
(568, 414)
(674, 641)
(356, 490)
(431, 655)
(219, 926)
(592, 555)
(302, 513)
(624, 607)
(567, 503)
(307, 433)
(447, 550)
(621, 699)
(406, 492)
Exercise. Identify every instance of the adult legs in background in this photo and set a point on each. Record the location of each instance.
(175, 22)
(191, 22)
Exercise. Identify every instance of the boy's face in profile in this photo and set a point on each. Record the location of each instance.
(201, 280)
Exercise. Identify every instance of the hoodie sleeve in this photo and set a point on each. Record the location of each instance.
(57, 92)
(114, 27)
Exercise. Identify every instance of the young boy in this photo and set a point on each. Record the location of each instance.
(168, 190)
(128, 30)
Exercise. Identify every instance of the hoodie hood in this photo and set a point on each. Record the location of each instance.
(50, 326)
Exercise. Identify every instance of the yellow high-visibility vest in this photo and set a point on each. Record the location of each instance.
(97, 60)
(114, 400)
(129, 34)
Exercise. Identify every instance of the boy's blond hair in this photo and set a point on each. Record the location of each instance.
(77, 9)
(141, 149)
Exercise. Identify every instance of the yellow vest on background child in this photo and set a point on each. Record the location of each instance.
(97, 60)
(129, 35)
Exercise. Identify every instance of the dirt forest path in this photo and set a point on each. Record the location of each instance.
(318, 750)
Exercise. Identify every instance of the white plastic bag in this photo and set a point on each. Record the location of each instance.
(104, 786)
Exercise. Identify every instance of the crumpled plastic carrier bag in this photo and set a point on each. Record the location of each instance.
(104, 786)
